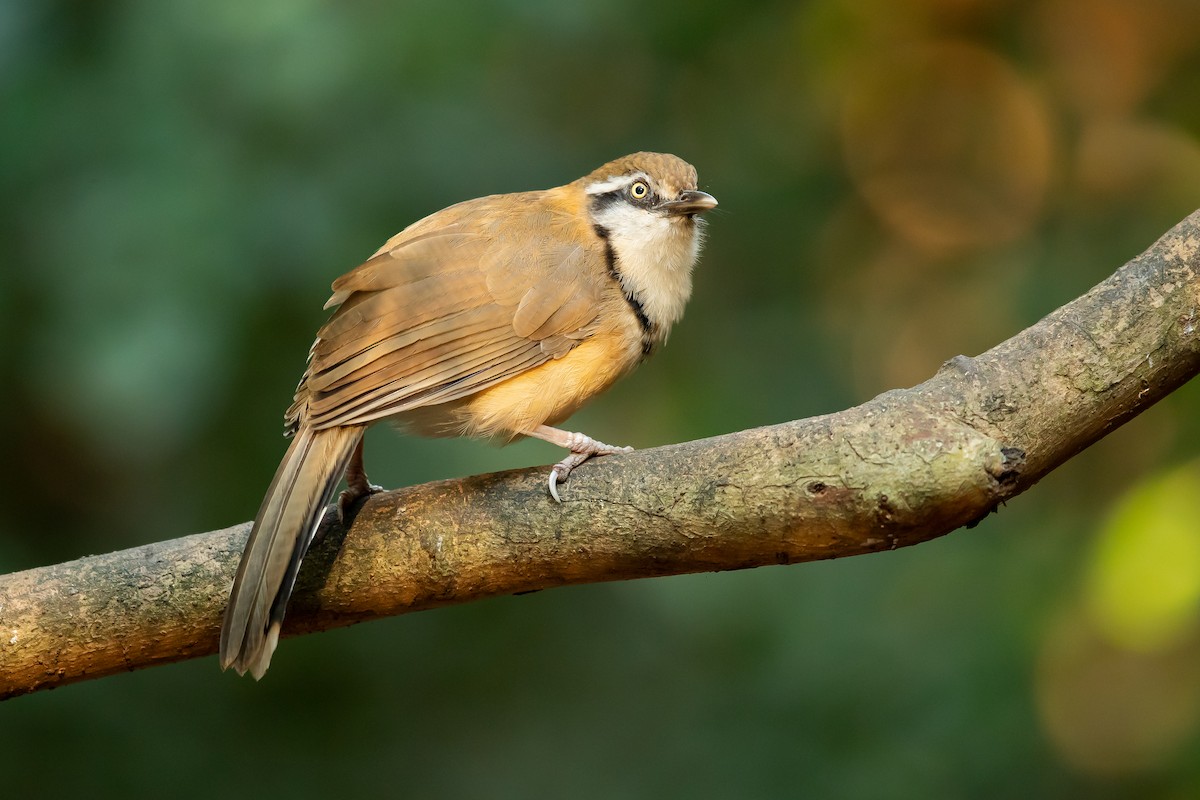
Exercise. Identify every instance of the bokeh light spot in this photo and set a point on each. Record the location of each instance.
(947, 145)
(1111, 711)
(1143, 583)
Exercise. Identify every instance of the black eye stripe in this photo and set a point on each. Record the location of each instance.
(600, 202)
(603, 201)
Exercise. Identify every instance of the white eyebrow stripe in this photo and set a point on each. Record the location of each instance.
(612, 184)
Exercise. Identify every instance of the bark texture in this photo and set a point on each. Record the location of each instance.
(905, 467)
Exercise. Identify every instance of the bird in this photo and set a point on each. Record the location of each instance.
(496, 318)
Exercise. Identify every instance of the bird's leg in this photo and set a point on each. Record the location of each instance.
(357, 485)
(582, 448)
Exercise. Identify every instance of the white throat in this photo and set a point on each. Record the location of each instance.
(655, 254)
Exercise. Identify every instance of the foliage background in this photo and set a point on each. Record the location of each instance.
(899, 182)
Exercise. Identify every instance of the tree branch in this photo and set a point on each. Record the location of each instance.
(906, 467)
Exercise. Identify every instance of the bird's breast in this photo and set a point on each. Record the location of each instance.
(553, 391)
(652, 257)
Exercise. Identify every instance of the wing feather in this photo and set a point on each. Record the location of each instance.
(403, 379)
(453, 309)
(431, 340)
(467, 376)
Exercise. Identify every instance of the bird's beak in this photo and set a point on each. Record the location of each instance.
(689, 202)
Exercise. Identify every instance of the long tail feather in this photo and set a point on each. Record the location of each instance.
(283, 529)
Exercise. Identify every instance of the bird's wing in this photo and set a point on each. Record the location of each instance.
(447, 312)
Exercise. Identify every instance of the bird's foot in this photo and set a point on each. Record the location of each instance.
(350, 498)
(357, 486)
(582, 448)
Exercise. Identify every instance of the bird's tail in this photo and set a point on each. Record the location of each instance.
(286, 523)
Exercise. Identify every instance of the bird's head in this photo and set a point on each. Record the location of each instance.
(647, 207)
(640, 187)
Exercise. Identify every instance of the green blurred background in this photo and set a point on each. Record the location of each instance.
(900, 182)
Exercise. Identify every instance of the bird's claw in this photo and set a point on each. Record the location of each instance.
(562, 470)
(348, 498)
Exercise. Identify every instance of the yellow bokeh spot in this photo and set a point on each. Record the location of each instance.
(1143, 584)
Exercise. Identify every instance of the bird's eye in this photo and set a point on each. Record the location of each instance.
(639, 190)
